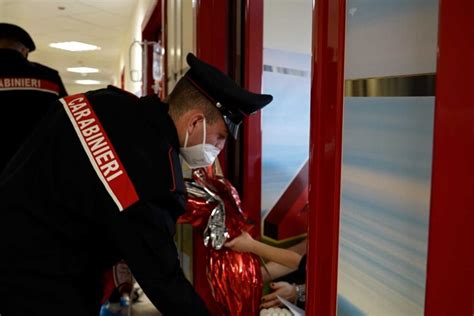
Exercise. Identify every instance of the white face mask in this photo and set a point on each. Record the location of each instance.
(200, 155)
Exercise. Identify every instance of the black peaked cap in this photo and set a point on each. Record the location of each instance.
(234, 102)
(15, 32)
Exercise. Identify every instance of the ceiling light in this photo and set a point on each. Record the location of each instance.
(83, 70)
(74, 46)
(87, 81)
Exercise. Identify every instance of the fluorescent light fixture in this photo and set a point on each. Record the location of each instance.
(74, 46)
(83, 70)
(87, 81)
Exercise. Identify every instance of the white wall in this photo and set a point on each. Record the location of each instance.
(180, 40)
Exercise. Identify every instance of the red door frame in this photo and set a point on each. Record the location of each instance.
(449, 278)
(212, 42)
(252, 132)
(325, 155)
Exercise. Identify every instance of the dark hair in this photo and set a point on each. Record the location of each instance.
(11, 42)
(186, 97)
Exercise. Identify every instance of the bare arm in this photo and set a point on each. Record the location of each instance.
(273, 270)
(299, 247)
(245, 243)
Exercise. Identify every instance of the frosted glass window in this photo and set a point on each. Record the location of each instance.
(387, 156)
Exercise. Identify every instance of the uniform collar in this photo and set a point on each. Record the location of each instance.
(156, 113)
(11, 54)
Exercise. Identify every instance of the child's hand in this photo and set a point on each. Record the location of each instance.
(283, 289)
(242, 243)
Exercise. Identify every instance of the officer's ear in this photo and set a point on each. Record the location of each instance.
(195, 120)
(24, 51)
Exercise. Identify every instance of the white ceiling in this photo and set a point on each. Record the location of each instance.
(99, 22)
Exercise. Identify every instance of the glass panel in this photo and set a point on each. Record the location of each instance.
(285, 122)
(385, 204)
(387, 153)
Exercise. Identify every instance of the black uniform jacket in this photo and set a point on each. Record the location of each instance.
(26, 91)
(80, 195)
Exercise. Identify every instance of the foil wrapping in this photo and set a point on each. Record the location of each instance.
(235, 280)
